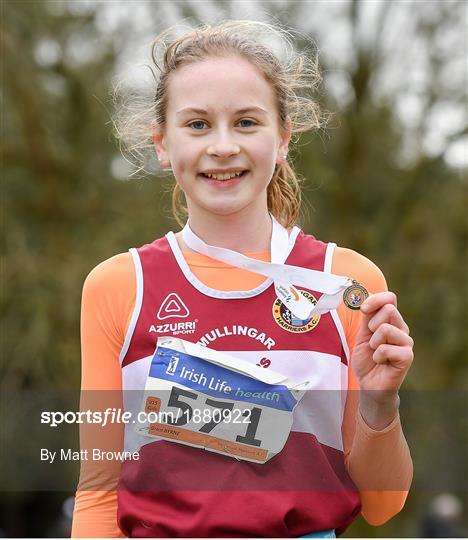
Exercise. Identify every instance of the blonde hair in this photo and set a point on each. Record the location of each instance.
(294, 77)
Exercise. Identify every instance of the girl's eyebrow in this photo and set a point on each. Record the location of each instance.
(258, 110)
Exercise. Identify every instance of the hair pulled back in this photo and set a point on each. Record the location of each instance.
(294, 76)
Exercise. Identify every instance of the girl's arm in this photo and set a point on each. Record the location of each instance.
(378, 461)
(107, 303)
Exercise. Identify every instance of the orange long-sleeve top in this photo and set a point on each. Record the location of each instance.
(374, 459)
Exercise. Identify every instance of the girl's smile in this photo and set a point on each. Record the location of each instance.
(224, 180)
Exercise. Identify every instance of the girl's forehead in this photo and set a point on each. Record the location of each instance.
(219, 83)
(234, 64)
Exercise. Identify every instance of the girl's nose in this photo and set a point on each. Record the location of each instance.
(223, 145)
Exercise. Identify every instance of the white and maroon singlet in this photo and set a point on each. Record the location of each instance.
(179, 491)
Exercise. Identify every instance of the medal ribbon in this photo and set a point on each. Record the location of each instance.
(283, 275)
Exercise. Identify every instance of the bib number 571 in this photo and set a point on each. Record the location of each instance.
(187, 413)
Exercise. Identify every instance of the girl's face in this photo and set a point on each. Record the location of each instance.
(222, 118)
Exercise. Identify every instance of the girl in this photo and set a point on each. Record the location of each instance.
(223, 112)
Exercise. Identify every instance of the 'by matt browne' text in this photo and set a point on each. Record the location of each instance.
(93, 454)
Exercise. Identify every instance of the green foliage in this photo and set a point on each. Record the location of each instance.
(64, 213)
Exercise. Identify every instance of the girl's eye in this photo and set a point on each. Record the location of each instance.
(195, 123)
(248, 120)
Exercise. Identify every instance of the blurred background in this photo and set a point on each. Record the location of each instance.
(387, 178)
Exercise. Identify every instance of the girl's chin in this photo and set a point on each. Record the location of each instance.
(222, 206)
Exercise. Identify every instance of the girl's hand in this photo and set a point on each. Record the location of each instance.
(381, 358)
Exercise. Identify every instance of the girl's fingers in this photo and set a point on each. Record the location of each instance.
(377, 300)
(388, 334)
(392, 354)
(388, 314)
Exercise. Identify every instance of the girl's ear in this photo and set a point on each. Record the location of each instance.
(160, 146)
(286, 133)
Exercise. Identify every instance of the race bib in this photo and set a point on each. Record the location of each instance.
(207, 399)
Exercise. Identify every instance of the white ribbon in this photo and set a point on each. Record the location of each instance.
(284, 275)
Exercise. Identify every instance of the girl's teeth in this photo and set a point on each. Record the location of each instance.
(223, 176)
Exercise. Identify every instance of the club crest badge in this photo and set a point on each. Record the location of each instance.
(289, 321)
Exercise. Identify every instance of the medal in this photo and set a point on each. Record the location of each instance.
(354, 295)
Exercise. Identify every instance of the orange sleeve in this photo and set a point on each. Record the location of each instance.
(107, 305)
(373, 458)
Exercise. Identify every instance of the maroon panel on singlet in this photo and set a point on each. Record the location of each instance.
(289, 496)
(236, 499)
(177, 467)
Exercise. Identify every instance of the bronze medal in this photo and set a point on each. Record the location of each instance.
(354, 295)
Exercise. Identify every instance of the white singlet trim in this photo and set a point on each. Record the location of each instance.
(336, 319)
(327, 263)
(339, 327)
(334, 314)
(138, 303)
(214, 293)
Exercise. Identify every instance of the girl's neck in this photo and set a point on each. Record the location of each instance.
(235, 232)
